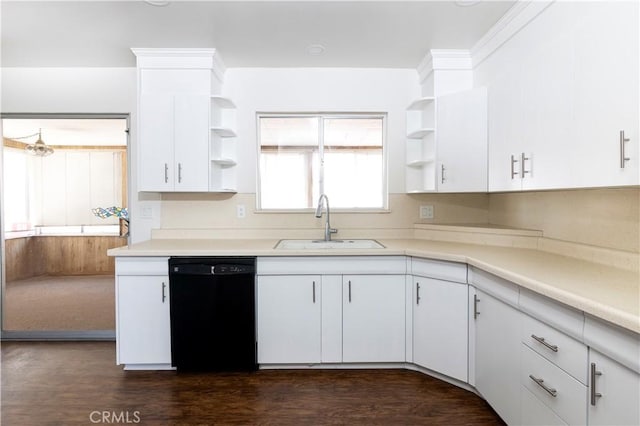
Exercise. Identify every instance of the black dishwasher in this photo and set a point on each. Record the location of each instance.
(213, 313)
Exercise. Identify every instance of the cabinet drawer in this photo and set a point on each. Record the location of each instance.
(142, 266)
(565, 352)
(535, 413)
(566, 396)
(564, 318)
(448, 271)
(497, 287)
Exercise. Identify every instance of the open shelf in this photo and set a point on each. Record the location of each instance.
(222, 102)
(420, 133)
(420, 163)
(420, 104)
(224, 132)
(224, 162)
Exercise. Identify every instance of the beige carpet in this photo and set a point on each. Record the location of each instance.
(60, 303)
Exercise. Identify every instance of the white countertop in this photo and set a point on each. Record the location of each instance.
(605, 292)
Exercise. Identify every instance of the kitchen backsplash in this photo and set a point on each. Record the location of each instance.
(597, 217)
(219, 211)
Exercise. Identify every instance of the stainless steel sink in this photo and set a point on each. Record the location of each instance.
(322, 244)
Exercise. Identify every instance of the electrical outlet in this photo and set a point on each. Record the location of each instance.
(426, 212)
(241, 211)
(146, 213)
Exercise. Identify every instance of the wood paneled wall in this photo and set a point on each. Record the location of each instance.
(60, 255)
(23, 258)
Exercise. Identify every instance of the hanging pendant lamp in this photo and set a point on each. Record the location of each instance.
(39, 148)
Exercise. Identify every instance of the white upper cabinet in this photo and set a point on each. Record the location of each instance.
(563, 110)
(605, 91)
(181, 127)
(446, 144)
(462, 141)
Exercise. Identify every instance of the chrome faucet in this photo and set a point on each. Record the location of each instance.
(328, 230)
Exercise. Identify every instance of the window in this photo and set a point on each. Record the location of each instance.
(305, 155)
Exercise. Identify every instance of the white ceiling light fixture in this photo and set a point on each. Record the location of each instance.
(467, 3)
(39, 148)
(315, 49)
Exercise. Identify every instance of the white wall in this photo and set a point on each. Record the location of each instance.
(320, 90)
(83, 90)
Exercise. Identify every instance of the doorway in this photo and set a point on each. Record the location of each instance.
(64, 204)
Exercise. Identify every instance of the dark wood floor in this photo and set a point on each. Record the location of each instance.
(74, 383)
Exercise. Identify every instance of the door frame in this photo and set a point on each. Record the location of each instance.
(51, 335)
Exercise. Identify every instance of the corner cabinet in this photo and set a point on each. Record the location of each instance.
(143, 337)
(440, 317)
(183, 124)
(447, 143)
(496, 323)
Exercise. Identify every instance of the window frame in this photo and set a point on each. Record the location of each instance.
(320, 148)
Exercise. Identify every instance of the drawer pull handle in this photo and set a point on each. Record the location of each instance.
(417, 293)
(544, 342)
(540, 382)
(314, 292)
(164, 294)
(594, 373)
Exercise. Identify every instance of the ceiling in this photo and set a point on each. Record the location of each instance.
(68, 131)
(385, 34)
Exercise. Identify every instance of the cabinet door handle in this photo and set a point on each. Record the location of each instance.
(442, 169)
(475, 306)
(523, 158)
(540, 382)
(164, 294)
(544, 342)
(594, 373)
(349, 291)
(417, 293)
(314, 292)
(513, 167)
(166, 173)
(179, 172)
(623, 158)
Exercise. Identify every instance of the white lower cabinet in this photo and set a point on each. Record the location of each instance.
(497, 355)
(143, 320)
(440, 326)
(556, 389)
(535, 413)
(614, 392)
(373, 327)
(289, 319)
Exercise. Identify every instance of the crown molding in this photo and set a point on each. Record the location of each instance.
(516, 18)
(444, 59)
(180, 58)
